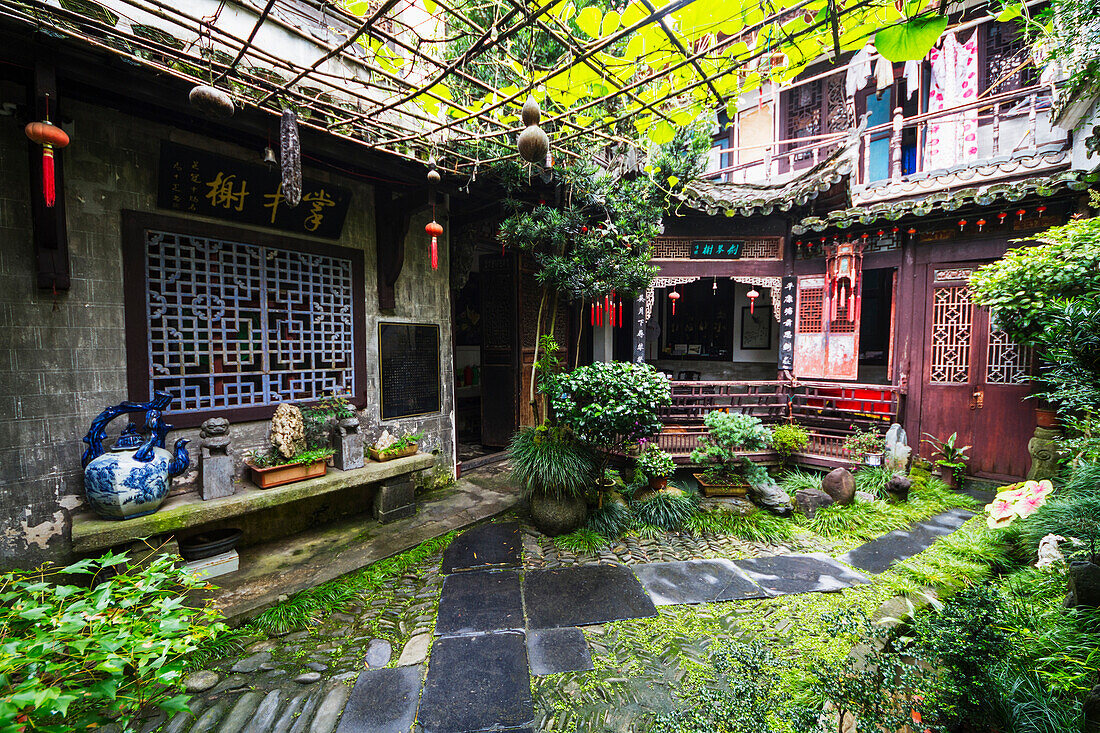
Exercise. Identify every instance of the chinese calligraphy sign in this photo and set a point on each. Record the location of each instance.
(197, 182)
(711, 249)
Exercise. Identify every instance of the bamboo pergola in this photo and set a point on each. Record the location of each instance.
(411, 77)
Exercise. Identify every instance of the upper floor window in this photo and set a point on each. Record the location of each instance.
(234, 322)
(1004, 67)
(809, 110)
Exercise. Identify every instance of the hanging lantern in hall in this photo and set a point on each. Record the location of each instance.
(49, 136)
(674, 296)
(433, 228)
(842, 269)
(753, 294)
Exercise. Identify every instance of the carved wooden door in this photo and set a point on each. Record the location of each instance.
(975, 379)
(825, 347)
(499, 348)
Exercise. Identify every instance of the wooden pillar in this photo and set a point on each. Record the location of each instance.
(996, 129)
(895, 145)
(51, 238)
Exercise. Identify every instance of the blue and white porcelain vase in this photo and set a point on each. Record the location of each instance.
(131, 479)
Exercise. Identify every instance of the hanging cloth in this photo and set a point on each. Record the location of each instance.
(884, 74)
(859, 69)
(953, 139)
(911, 73)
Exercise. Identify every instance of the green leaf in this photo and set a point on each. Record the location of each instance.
(911, 40)
(589, 21)
(430, 6)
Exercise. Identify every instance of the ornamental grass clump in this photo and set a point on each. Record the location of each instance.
(76, 657)
(667, 509)
(549, 461)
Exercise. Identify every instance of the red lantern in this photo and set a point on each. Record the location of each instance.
(49, 136)
(1020, 213)
(962, 223)
(753, 294)
(1001, 217)
(981, 223)
(673, 296)
(435, 230)
(1041, 209)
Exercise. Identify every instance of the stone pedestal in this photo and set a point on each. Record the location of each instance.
(215, 464)
(395, 499)
(1043, 448)
(347, 440)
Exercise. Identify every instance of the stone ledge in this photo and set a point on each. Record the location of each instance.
(90, 532)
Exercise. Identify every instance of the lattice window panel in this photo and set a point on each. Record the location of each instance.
(804, 113)
(1007, 361)
(234, 325)
(952, 325)
(1005, 50)
(811, 312)
(676, 248)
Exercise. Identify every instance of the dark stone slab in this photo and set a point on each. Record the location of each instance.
(478, 601)
(477, 683)
(696, 581)
(583, 595)
(495, 545)
(785, 574)
(551, 651)
(382, 701)
(878, 555)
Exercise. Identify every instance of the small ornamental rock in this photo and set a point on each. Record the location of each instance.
(200, 681)
(809, 501)
(288, 431)
(840, 485)
(897, 488)
(308, 678)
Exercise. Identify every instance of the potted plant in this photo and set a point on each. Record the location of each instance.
(729, 435)
(657, 465)
(870, 445)
(290, 457)
(387, 450)
(951, 459)
(555, 473)
(788, 440)
(610, 405)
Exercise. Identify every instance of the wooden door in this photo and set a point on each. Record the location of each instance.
(499, 348)
(824, 347)
(974, 381)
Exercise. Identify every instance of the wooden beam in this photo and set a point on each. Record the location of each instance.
(51, 239)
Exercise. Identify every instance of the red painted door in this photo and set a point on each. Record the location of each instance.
(975, 380)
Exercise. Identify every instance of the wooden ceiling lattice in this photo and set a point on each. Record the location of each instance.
(409, 77)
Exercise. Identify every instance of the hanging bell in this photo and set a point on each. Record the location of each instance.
(433, 228)
(269, 158)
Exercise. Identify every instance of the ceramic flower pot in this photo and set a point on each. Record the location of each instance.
(873, 459)
(555, 517)
(658, 482)
(131, 479)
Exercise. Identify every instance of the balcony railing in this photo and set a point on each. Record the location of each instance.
(829, 411)
(1009, 123)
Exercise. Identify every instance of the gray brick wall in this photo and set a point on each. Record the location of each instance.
(63, 357)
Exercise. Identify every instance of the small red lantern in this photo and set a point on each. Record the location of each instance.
(962, 223)
(1041, 209)
(433, 228)
(912, 231)
(1001, 217)
(1020, 213)
(752, 295)
(49, 136)
(674, 296)
(981, 223)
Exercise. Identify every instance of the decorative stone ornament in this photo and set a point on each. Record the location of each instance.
(131, 479)
(216, 465)
(290, 157)
(288, 431)
(347, 440)
(533, 142)
(211, 101)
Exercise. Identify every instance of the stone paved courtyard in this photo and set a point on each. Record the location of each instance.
(616, 675)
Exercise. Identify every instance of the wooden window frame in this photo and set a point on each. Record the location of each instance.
(138, 368)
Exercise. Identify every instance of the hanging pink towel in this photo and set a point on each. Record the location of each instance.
(953, 139)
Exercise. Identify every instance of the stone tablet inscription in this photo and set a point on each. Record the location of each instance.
(408, 363)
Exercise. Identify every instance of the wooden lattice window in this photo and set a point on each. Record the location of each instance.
(804, 113)
(1007, 361)
(952, 326)
(1005, 50)
(811, 310)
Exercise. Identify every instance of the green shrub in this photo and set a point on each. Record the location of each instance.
(78, 657)
(611, 519)
(655, 463)
(789, 439)
(1068, 515)
(667, 510)
(797, 479)
(757, 526)
(549, 461)
(582, 541)
(873, 480)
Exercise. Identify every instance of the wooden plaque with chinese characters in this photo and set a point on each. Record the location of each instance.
(408, 366)
(197, 182)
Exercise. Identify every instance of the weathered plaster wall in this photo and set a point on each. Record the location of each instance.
(63, 356)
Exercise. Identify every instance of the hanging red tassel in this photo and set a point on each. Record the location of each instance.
(592, 315)
(434, 229)
(48, 191)
(49, 136)
(620, 314)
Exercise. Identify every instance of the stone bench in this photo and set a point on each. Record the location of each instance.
(393, 500)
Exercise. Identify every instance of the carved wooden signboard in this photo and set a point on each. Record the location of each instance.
(709, 249)
(197, 182)
(408, 365)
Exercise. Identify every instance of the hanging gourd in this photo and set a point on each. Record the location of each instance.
(674, 296)
(49, 136)
(211, 101)
(433, 175)
(533, 142)
(290, 156)
(433, 228)
(753, 294)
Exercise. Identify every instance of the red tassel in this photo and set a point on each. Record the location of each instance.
(592, 315)
(48, 190)
(620, 315)
(435, 253)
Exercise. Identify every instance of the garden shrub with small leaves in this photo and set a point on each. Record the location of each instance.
(82, 656)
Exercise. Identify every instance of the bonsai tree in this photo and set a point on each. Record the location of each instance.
(949, 456)
(728, 435)
(788, 440)
(611, 404)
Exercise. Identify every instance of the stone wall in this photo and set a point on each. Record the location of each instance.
(63, 356)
